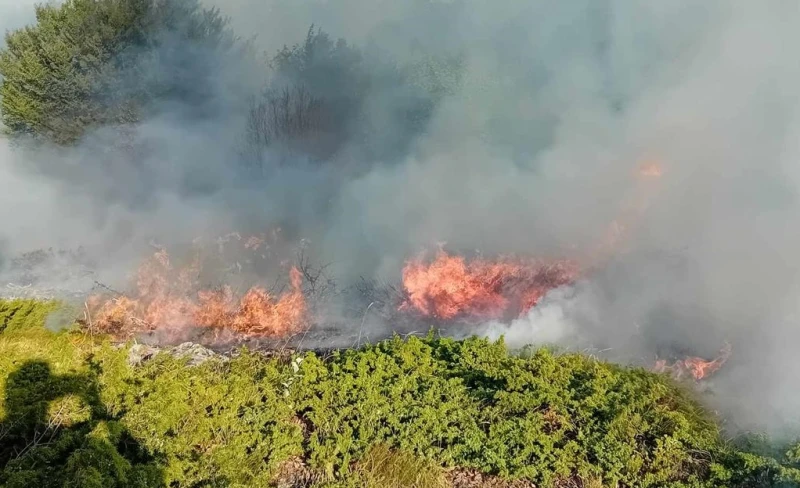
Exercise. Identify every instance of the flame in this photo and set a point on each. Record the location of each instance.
(651, 169)
(450, 287)
(169, 299)
(697, 368)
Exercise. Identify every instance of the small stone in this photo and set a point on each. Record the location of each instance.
(140, 353)
(196, 353)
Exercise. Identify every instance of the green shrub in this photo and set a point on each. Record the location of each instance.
(55, 431)
(472, 404)
(386, 393)
(92, 62)
(73, 412)
(219, 423)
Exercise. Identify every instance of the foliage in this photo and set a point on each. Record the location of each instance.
(311, 103)
(321, 63)
(326, 92)
(396, 413)
(288, 120)
(226, 425)
(22, 314)
(437, 75)
(472, 404)
(55, 430)
(87, 63)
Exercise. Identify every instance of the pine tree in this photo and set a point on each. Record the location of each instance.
(93, 62)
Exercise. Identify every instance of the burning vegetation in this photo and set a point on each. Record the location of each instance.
(451, 287)
(218, 293)
(694, 367)
(353, 145)
(170, 299)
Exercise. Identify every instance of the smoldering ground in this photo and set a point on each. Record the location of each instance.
(532, 149)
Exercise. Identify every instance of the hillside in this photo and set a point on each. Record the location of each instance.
(423, 412)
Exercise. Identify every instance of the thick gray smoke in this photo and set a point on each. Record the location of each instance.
(534, 150)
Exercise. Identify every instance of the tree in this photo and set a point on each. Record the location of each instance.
(308, 107)
(93, 62)
(326, 93)
(286, 120)
(328, 68)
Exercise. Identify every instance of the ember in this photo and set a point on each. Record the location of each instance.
(450, 287)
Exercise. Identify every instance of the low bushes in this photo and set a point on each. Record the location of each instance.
(399, 413)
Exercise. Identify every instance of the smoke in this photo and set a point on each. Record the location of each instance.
(532, 148)
(551, 321)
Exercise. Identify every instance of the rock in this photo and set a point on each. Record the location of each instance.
(196, 353)
(139, 353)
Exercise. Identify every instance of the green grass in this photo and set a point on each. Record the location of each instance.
(397, 413)
(24, 314)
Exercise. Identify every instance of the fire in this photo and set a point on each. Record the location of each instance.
(451, 287)
(697, 367)
(651, 170)
(169, 299)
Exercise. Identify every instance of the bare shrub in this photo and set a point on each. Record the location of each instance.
(282, 122)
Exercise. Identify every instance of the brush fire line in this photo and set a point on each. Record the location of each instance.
(168, 299)
(452, 287)
(448, 288)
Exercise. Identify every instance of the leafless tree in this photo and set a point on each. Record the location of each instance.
(289, 120)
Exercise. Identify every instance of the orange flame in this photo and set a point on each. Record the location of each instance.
(450, 287)
(697, 368)
(170, 300)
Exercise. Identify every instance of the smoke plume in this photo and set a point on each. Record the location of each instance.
(533, 148)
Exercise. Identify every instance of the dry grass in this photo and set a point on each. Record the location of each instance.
(383, 467)
(592, 483)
